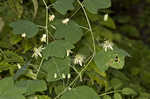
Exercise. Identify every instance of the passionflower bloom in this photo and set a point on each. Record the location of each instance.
(107, 45)
(51, 17)
(65, 21)
(79, 59)
(37, 52)
(43, 38)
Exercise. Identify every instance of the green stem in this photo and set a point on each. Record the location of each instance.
(76, 78)
(106, 93)
(40, 66)
(90, 28)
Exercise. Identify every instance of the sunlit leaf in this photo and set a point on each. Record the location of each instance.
(112, 58)
(128, 91)
(117, 96)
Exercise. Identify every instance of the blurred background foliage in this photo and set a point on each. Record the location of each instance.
(128, 27)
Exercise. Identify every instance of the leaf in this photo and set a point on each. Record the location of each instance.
(114, 59)
(116, 83)
(82, 92)
(70, 32)
(94, 5)
(57, 48)
(11, 56)
(5, 66)
(9, 91)
(57, 66)
(106, 97)
(32, 86)
(117, 96)
(24, 26)
(62, 6)
(128, 91)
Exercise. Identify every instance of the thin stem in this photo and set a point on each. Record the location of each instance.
(46, 21)
(106, 93)
(75, 13)
(76, 78)
(90, 28)
(45, 3)
(85, 28)
(40, 66)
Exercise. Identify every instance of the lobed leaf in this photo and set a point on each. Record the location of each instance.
(24, 26)
(57, 66)
(94, 5)
(57, 48)
(62, 6)
(32, 86)
(70, 32)
(82, 92)
(9, 91)
(114, 59)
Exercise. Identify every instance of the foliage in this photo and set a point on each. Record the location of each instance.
(69, 49)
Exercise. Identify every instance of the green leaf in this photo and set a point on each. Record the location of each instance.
(57, 48)
(82, 92)
(70, 32)
(117, 96)
(112, 58)
(9, 91)
(94, 5)
(128, 91)
(62, 6)
(32, 86)
(116, 83)
(24, 26)
(106, 97)
(11, 56)
(57, 66)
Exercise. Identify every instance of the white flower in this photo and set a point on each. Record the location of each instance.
(37, 52)
(107, 45)
(65, 21)
(55, 75)
(79, 59)
(51, 17)
(63, 76)
(105, 17)
(69, 52)
(19, 66)
(69, 76)
(23, 35)
(43, 38)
